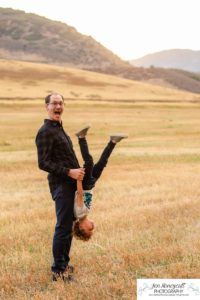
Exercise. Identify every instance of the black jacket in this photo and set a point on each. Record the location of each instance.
(55, 152)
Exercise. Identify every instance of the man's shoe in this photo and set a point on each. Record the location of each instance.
(68, 274)
(82, 133)
(65, 276)
(70, 268)
(57, 276)
(117, 137)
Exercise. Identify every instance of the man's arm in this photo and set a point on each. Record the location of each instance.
(44, 143)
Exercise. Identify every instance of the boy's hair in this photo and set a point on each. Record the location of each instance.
(80, 234)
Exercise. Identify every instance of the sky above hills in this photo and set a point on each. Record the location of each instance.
(129, 28)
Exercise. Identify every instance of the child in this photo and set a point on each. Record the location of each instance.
(83, 227)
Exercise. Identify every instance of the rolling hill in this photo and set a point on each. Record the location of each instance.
(32, 81)
(29, 37)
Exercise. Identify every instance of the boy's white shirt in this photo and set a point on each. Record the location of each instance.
(81, 211)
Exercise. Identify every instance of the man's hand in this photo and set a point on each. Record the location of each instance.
(77, 174)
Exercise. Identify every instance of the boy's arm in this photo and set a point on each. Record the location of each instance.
(81, 208)
(79, 193)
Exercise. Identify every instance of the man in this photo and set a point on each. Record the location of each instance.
(57, 157)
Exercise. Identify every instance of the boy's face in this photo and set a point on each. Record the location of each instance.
(87, 226)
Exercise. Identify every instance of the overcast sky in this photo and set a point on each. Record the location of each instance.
(129, 28)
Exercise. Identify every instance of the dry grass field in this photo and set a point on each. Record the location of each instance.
(146, 205)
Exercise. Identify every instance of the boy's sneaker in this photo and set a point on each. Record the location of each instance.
(117, 137)
(82, 133)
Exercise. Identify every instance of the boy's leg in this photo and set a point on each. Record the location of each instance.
(101, 164)
(88, 181)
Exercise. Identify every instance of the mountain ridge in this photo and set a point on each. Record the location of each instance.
(184, 59)
(40, 39)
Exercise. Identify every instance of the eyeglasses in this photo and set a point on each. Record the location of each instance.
(61, 103)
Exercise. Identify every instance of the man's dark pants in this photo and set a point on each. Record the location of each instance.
(63, 195)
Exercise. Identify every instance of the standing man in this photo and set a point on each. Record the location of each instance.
(57, 157)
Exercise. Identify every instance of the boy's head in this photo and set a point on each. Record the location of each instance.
(83, 229)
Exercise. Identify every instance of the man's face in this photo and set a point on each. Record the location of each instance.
(55, 108)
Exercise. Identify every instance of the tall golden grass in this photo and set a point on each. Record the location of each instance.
(146, 205)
